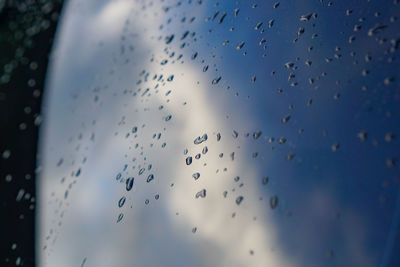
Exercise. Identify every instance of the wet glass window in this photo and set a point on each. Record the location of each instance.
(221, 133)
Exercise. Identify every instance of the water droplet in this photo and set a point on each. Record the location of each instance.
(362, 135)
(265, 180)
(257, 134)
(201, 139)
(189, 160)
(236, 179)
(376, 29)
(201, 193)
(218, 137)
(205, 150)
(239, 200)
(335, 147)
(120, 216)
(389, 137)
(197, 156)
(271, 23)
(194, 230)
(235, 134)
(221, 19)
(273, 202)
(290, 156)
(391, 162)
(168, 118)
(121, 202)
(216, 80)
(285, 119)
(150, 178)
(169, 39)
(196, 175)
(134, 129)
(129, 183)
(258, 26)
(281, 140)
(240, 45)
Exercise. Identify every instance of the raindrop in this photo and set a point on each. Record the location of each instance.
(256, 135)
(235, 134)
(168, 118)
(289, 65)
(121, 202)
(265, 180)
(335, 147)
(169, 39)
(196, 175)
(362, 135)
(290, 156)
(221, 19)
(300, 31)
(150, 178)
(201, 193)
(201, 139)
(376, 29)
(129, 183)
(390, 162)
(285, 119)
(281, 140)
(389, 137)
(239, 200)
(120, 216)
(273, 202)
(258, 25)
(205, 150)
(189, 160)
(216, 80)
(240, 45)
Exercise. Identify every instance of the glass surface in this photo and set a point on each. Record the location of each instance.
(231, 133)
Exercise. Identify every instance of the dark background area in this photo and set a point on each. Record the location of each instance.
(27, 29)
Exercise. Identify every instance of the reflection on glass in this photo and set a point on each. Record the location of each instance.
(197, 133)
